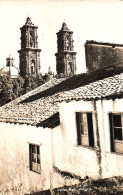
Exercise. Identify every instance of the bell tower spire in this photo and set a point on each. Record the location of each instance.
(29, 53)
(65, 56)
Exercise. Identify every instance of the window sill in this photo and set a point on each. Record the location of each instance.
(117, 153)
(88, 147)
(118, 141)
(34, 172)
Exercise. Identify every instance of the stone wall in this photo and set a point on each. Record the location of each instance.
(103, 55)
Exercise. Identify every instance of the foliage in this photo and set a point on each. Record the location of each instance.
(88, 186)
(11, 88)
(33, 81)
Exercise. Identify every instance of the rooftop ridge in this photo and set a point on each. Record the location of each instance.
(43, 108)
(65, 95)
(30, 93)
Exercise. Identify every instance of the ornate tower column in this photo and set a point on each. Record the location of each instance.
(65, 56)
(29, 53)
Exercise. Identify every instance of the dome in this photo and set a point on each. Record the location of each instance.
(11, 70)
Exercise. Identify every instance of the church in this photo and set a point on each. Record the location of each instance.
(65, 56)
(10, 69)
(29, 54)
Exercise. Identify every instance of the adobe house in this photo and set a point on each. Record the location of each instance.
(73, 125)
(76, 128)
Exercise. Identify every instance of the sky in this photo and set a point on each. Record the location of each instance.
(100, 20)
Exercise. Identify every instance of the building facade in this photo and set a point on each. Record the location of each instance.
(29, 53)
(65, 56)
(77, 131)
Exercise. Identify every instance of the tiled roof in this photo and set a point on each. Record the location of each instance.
(42, 109)
(51, 122)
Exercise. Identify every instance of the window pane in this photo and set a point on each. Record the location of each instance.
(84, 140)
(34, 166)
(117, 120)
(37, 149)
(34, 158)
(38, 159)
(84, 129)
(38, 168)
(33, 149)
(83, 118)
(118, 133)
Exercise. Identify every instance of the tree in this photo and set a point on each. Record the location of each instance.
(10, 88)
(33, 81)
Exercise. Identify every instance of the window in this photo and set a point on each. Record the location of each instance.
(32, 66)
(85, 129)
(116, 132)
(67, 43)
(35, 158)
(69, 68)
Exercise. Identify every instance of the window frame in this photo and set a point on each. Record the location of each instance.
(115, 142)
(37, 156)
(90, 129)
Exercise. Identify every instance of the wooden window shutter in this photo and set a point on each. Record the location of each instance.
(111, 132)
(90, 129)
(78, 128)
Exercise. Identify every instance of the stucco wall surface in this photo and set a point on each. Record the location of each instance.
(111, 162)
(97, 162)
(14, 156)
(79, 160)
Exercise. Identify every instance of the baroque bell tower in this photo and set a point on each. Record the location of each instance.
(29, 53)
(65, 56)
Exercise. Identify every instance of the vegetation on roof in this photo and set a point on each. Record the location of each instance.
(76, 81)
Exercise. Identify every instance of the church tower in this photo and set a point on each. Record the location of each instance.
(9, 61)
(65, 56)
(29, 53)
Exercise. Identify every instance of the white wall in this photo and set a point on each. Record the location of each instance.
(70, 157)
(82, 160)
(14, 156)
(112, 163)
(59, 148)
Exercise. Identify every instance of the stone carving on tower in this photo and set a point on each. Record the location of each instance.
(65, 56)
(29, 53)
